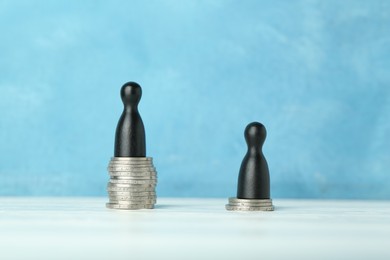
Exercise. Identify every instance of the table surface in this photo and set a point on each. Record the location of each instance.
(82, 228)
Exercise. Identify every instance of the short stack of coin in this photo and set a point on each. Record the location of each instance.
(132, 183)
(236, 204)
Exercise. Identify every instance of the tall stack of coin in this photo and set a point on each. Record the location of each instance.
(132, 183)
(236, 204)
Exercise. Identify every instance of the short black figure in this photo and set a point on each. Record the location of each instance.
(253, 180)
(130, 132)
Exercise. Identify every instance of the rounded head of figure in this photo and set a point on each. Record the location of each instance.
(255, 134)
(131, 94)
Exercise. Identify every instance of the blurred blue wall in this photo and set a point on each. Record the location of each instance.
(315, 73)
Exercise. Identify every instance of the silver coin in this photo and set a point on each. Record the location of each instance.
(130, 207)
(133, 178)
(117, 179)
(134, 202)
(137, 182)
(236, 200)
(135, 197)
(133, 165)
(130, 194)
(130, 189)
(131, 158)
(130, 169)
(135, 172)
(250, 202)
(148, 162)
(129, 180)
(132, 162)
(248, 208)
(130, 185)
(132, 198)
(132, 174)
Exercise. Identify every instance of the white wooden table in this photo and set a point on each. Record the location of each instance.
(82, 228)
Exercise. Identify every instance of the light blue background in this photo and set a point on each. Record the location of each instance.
(316, 73)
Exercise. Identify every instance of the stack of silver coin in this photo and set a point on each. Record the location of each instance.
(132, 183)
(236, 204)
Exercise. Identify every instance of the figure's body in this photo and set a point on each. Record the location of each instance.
(253, 180)
(130, 132)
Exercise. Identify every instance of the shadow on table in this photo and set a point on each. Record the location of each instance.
(169, 206)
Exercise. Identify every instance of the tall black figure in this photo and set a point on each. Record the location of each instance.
(130, 132)
(253, 180)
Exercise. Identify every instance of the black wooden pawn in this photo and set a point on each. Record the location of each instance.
(130, 132)
(253, 180)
